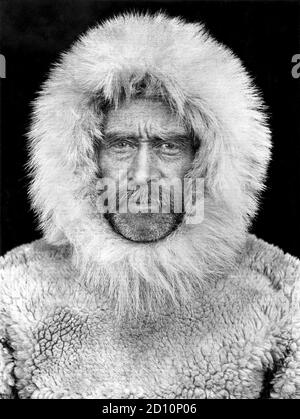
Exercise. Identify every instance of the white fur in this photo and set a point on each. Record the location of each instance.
(209, 88)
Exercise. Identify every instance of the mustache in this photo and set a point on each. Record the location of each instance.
(157, 196)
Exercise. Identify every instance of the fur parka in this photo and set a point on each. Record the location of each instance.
(62, 332)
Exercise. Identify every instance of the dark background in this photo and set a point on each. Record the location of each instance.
(265, 35)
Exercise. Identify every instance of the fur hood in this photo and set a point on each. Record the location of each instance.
(199, 78)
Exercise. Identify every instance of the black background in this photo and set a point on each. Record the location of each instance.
(265, 35)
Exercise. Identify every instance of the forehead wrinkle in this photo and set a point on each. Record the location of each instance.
(148, 130)
(144, 129)
(144, 119)
(140, 131)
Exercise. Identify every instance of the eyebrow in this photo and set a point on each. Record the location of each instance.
(111, 137)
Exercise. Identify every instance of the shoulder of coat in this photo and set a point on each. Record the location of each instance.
(34, 252)
(281, 269)
(30, 265)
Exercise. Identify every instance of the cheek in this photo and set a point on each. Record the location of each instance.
(187, 162)
(179, 167)
(104, 164)
(111, 166)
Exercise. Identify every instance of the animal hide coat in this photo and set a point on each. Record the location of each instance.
(59, 335)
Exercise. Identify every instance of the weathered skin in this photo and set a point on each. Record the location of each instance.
(59, 341)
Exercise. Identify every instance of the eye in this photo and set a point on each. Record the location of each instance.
(169, 148)
(122, 146)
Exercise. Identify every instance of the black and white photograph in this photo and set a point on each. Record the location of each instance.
(150, 181)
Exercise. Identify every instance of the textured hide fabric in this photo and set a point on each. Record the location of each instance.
(238, 336)
(241, 340)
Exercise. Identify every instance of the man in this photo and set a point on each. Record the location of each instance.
(154, 300)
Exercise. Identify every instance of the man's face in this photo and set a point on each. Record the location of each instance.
(145, 143)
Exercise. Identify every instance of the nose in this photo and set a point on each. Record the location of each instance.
(143, 168)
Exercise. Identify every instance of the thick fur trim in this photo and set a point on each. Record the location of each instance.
(204, 83)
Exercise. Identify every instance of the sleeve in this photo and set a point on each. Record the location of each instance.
(6, 368)
(7, 381)
(286, 381)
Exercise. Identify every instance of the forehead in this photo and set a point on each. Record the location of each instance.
(142, 116)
